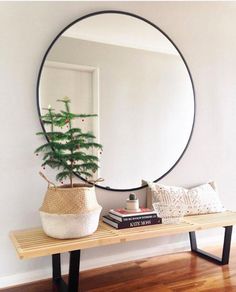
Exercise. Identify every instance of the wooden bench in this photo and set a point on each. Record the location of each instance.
(32, 243)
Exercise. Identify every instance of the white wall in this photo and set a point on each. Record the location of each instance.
(206, 35)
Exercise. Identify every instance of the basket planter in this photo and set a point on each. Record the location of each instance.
(70, 212)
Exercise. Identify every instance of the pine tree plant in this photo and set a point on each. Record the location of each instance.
(67, 148)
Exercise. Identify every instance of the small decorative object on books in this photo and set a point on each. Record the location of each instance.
(121, 218)
(132, 203)
(70, 210)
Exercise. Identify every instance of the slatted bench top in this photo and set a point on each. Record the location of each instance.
(33, 242)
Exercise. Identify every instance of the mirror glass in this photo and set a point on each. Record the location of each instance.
(131, 75)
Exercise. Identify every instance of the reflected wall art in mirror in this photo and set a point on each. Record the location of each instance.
(129, 72)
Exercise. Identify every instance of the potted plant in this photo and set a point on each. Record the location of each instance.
(69, 210)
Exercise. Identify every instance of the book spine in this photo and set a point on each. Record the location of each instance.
(123, 213)
(133, 218)
(137, 223)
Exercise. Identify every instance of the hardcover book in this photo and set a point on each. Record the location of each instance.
(123, 215)
(130, 224)
(133, 217)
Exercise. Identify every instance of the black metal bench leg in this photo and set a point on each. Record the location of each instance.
(56, 273)
(227, 245)
(56, 264)
(224, 260)
(73, 279)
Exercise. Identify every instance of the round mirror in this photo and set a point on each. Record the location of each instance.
(127, 71)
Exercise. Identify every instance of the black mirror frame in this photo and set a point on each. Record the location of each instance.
(155, 26)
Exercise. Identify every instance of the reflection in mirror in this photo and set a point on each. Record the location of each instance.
(129, 73)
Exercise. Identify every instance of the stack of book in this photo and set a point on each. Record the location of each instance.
(121, 218)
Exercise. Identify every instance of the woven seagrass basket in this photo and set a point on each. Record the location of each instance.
(70, 212)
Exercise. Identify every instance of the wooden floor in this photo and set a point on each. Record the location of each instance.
(168, 273)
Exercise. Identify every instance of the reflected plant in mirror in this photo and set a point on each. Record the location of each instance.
(128, 71)
(69, 149)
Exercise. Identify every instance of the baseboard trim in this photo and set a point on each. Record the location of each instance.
(41, 274)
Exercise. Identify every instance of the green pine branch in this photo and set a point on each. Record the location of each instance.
(85, 173)
(72, 116)
(54, 135)
(53, 163)
(63, 175)
(90, 145)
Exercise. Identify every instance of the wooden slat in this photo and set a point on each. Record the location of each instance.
(30, 243)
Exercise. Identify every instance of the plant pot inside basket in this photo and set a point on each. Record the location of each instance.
(70, 212)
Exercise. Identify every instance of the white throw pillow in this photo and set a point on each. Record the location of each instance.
(202, 199)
